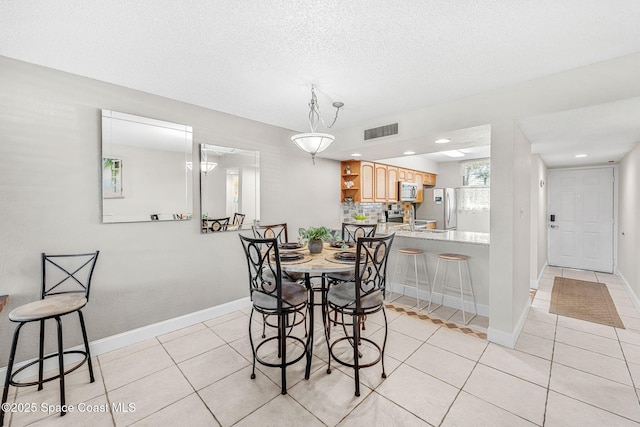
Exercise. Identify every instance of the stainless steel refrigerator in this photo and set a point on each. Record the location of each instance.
(439, 204)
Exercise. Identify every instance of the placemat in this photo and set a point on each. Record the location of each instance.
(306, 258)
(329, 257)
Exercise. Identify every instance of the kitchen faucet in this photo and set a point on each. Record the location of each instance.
(412, 218)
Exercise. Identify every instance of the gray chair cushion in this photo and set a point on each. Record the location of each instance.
(51, 306)
(344, 295)
(293, 295)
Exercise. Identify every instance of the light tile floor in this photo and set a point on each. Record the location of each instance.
(563, 372)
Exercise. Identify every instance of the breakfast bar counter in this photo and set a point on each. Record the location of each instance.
(470, 237)
(433, 242)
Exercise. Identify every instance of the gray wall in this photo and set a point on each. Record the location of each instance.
(147, 272)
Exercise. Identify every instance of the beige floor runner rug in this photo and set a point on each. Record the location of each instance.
(584, 300)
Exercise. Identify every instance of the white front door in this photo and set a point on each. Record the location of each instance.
(580, 218)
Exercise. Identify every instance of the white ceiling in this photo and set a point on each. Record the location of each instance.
(257, 59)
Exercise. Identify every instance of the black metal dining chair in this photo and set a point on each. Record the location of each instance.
(352, 232)
(218, 224)
(272, 296)
(277, 231)
(364, 296)
(350, 235)
(238, 219)
(66, 281)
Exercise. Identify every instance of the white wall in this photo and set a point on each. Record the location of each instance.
(510, 226)
(628, 223)
(147, 272)
(449, 175)
(538, 218)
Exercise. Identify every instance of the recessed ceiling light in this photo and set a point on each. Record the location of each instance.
(408, 153)
(581, 155)
(356, 154)
(453, 153)
(442, 140)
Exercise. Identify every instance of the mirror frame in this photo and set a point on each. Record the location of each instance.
(219, 155)
(161, 136)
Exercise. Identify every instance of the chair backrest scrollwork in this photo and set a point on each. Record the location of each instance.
(371, 271)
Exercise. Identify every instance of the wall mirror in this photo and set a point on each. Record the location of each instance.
(145, 173)
(229, 188)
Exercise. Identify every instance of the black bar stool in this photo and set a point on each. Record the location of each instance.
(66, 280)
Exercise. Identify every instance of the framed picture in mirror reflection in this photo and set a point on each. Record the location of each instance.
(112, 178)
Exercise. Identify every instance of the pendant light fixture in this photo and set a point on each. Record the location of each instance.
(315, 142)
(205, 165)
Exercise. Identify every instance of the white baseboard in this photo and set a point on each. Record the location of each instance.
(535, 283)
(509, 339)
(114, 342)
(632, 295)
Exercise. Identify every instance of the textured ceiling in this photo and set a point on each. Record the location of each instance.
(257, 59)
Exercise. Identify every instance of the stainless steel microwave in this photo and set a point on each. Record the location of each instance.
(407, 191)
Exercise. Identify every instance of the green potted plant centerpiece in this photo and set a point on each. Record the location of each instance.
(315, 236)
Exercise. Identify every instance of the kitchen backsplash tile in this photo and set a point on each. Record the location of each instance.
(373, 211)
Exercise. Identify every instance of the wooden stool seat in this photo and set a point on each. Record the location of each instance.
(453, 257)
(459, 259)
(410, 251)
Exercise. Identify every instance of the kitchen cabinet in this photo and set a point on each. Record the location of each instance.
(370, 182)
(429, 179)
(380, 183)
(405, 175)
(367, 182)
(418, 178)
(392, 183)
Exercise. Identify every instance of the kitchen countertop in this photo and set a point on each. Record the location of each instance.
(470, 237)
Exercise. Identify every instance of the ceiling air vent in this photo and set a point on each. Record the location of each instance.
(379, 132)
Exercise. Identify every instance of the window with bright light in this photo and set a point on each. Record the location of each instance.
(474, 194)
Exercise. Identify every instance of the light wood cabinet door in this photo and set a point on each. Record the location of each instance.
(392, 184)
(418, 178)
(429, 179)
(409, 175)
(380, 183)
(367, 182)
(405, 175)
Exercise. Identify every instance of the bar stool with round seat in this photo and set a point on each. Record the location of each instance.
(415, 253)
(66, 280)
(459, 260)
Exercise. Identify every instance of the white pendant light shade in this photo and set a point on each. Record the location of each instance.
(314, 142)
(204, 166)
